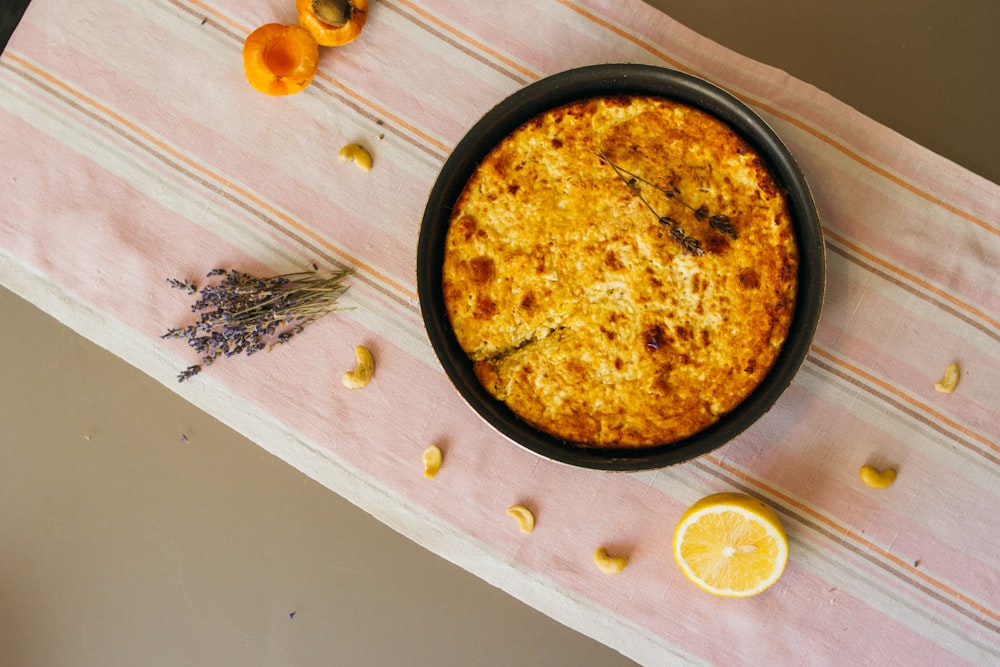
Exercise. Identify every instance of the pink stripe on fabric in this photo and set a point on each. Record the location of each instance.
(324, 210)
(941, 301)
(785, 455)
(955, 610)
(851, 205)
(418, 97)
(117, 258)
(201, 145)
(542, 39)
(910, 349)
(955, 187)
(431, 23)
(415, 98)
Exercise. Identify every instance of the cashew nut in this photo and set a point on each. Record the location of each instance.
(949, 381)
(357, 154)
(363, 372)
(432, 461)
(609, 564)
(525, 519)
(876, 479)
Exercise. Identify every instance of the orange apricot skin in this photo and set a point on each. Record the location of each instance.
(326, 34)
(280, 59)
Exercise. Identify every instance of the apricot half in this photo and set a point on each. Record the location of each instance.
(280, 59)
(332, 22)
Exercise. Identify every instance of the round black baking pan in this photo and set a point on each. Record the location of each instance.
(602, 80)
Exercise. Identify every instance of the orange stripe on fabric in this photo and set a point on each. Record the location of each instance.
(839, 529)
(468, 40)
(646, 46)
(802, 125)
(214, 177)
(910, 277)
(922, 407)
(884, 173)
(244, 30)
(383, 113)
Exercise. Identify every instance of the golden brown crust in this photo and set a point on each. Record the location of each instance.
(582, 309)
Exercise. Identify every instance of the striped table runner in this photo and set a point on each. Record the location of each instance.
(135, 151)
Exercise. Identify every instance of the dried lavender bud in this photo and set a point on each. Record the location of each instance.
(692, 246)
(185, 285)
(243, 314)
(655, 338)
(721, 224)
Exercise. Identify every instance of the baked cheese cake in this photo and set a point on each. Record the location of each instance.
(621, 271)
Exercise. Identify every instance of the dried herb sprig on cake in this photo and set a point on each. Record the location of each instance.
(243, 314)
(719, 222)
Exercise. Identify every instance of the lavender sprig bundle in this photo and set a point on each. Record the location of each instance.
(243, 314)
(691, 245)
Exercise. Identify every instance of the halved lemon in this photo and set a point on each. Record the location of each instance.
(731, 544)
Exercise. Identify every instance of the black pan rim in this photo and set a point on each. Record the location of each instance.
(602, 80)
